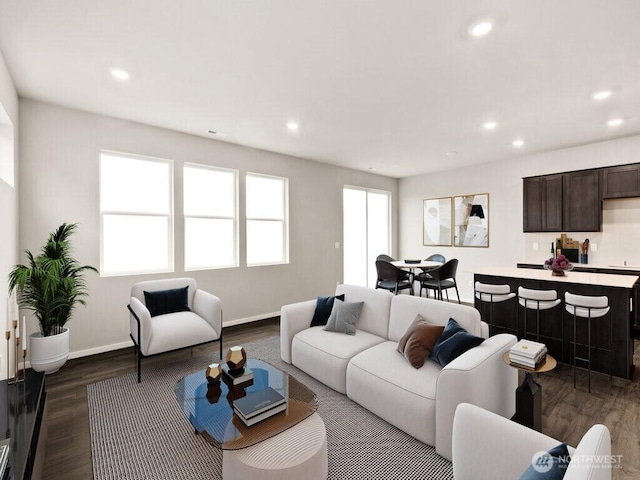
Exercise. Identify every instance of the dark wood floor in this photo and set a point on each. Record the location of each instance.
(567, 413)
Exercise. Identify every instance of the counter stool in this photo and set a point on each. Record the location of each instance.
(539, 300)
(490, 294)
(591, 308)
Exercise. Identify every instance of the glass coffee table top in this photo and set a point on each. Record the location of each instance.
(209, 408)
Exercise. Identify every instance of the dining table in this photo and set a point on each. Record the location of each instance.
(412, 265)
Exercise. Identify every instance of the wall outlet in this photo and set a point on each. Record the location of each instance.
(536, 245)
(594, 247)
(337, 245)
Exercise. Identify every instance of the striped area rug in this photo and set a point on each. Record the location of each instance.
(139, 432)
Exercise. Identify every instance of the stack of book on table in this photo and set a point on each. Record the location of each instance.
(259, 406)
(528, 354)
(244, 376)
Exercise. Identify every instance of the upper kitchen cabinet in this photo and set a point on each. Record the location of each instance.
(563, 202)
(542, 200)
(582, 207)
(621, 182)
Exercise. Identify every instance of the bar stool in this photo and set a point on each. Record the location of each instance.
(539, 300)
(590, 308)
(491, 294)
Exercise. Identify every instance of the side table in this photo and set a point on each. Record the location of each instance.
(529, 393)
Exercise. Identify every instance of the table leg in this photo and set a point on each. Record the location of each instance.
(529, 403)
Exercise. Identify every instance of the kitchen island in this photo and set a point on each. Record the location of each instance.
(556, 325)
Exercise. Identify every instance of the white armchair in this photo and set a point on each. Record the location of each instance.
(201, 323)
(487, 446)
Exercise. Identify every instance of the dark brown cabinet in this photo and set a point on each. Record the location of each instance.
(568, 202)
(621, 182)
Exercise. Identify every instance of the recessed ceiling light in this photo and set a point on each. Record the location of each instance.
(489, 125)
(373, 169)
(601, 95)
(451, 153)
(293, 126)
(119, 74)
(217, 133)
(614, 122)
(481, 28)
(517, 143)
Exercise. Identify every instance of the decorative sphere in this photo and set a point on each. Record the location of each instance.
(236, 358)
(213, 373)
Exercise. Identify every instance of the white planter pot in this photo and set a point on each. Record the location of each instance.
(50, 353)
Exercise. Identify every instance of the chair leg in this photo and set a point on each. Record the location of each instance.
(139, 362)
(457, 293)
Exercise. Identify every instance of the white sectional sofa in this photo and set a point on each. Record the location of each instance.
(370, 371)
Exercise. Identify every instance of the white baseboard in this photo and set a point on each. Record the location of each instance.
(255, 318)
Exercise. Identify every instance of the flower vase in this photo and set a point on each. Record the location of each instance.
(557, 273)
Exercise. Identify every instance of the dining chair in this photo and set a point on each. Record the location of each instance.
(392, 278)
(385, 257)
(442, 278)
(424, 275)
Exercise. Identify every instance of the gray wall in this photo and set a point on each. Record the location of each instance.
(508, 245)
(59, 183)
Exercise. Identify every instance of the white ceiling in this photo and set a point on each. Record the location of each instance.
(389, 85)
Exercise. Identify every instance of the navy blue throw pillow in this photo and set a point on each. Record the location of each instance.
(167, 301)
(453, 342)
(324, 305)
(551, 465)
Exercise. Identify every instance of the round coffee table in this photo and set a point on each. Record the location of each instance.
(529, 393)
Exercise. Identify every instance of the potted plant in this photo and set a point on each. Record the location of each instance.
(51, 285)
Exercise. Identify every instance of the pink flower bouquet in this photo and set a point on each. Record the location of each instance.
(558, 265)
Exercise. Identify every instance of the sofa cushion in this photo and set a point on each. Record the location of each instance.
(418, 341)
(344, 317)
(193, 330)
(374, 317)
(325, 355)
(551, 465)
(405, 308)
(383, 382)
(160, 302)
(324, 305)
(453, 342)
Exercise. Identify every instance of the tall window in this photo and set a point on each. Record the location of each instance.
(210, 217)
(136, 204)
(267, 219)
(367, 233)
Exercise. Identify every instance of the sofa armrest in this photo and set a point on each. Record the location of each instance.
(487, 446)
(209, 307)
(138, 312)
(480, 377)
(293, 319)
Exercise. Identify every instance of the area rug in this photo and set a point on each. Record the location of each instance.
(139, 432)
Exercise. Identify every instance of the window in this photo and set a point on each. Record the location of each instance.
(367, 233)
(210, 217)
(136, 204)
(267, 217)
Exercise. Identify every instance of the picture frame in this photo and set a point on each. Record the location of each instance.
(437, 221)
(471, 220)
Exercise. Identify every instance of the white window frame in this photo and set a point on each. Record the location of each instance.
(284, 220)
(169, 216)
(214, 217)
(371, 265)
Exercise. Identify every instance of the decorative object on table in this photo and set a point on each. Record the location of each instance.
(528, 354)
(13, 348)
(51, 286)
(436, 222)
(213, 373)
(242, 376)
(568, 247)
(471, 220)
(214, 392)
(584, 256)
(236, 358)
(558, 265)
(259, 406)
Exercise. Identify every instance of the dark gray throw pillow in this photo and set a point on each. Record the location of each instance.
(551, 465)
(344, 317)
(324, 305)
(161, 302)
(453, 342)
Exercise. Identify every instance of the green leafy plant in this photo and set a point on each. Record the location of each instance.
(52, 283)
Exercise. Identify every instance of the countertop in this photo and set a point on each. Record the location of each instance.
(585, 278)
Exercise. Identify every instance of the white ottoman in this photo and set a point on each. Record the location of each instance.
(299, 452)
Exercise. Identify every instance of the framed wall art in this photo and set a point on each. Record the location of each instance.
(471, 220)
(436, 222)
